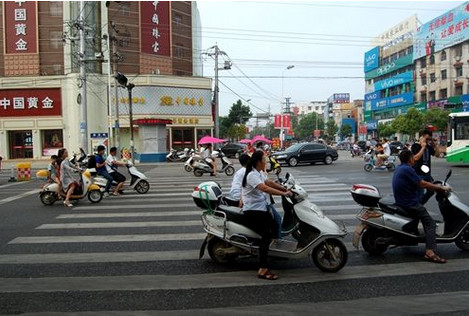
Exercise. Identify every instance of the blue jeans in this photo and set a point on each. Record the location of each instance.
(277, 219)
(109, 179)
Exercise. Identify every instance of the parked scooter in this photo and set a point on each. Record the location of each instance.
(383, 224)
(308, 232)
(204, 166)
(370, 158)
(138, 180)
(50, 192)
(189, 164)
(174, 155)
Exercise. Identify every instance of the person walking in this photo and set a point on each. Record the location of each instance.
(256, 190)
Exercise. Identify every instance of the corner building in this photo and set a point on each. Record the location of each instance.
(156, 44)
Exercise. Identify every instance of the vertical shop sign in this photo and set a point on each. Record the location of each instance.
(155, 28)
(20, 18)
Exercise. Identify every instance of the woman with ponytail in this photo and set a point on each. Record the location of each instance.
(256, 191)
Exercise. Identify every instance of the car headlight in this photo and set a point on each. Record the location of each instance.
(281, 157)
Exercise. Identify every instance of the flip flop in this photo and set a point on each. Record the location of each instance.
(268, 275)
(434, 258)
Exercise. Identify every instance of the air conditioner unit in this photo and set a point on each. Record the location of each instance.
(458, 58)
(455, 80)
(155, 71)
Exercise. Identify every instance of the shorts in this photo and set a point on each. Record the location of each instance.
(118, 177)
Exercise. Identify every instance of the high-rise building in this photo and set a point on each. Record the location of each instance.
(155, 44)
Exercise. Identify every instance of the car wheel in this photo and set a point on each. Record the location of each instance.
(293, 162)
(328, 160)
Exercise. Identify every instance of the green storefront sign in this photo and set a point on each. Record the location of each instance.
(392, 66)
(367, 115)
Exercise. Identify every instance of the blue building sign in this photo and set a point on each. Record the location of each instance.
(352, 123)
(465, 100)
(372, 125)
(397, 100)
(394, 81)
(371, 59)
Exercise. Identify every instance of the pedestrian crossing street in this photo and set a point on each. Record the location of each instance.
(151, 243)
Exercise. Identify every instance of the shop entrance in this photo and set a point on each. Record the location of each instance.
(183, 138)
(21, 144)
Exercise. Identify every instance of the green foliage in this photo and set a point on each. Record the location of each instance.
(438, 118)
(224, 126)
(269, 131)
(307, 125)
(331, 129)
(345, 130)
(386, 130)
(239, 113)
(237, 131)
(410, 123)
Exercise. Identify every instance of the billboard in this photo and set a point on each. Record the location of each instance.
(155, 28)
(371, 59)
(397, 100)
(392, 66)
(444, 31)
(30, 102)
(20, 19)
(399, 30)
(339, 98)
(282, 121)
(396, 80)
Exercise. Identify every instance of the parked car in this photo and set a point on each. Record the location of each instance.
(307, 152)
(395, 147)
(233, 149)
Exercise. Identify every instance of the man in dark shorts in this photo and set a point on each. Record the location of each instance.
(111, 166)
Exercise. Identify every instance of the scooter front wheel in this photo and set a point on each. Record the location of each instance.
(229, 171)
(48, 198)
(368, 167)
(188, 168)
(142, 186)
(463, 240)
(330, 255)
(95, 196)
(198, 173)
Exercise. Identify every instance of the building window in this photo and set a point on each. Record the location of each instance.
(458, 90)
(57, 69)
(459, 71)
(177, 19)
(444, 74)
(423, 97)
(443, 56)
(56, 39)
(458, 51)
(432, 77)
(179, 51)
(424, 80)
(410, 50)
(443, 93)
(423, 63)
(55, 8)
(432, 59)
(432, 95)
(124, 9)
(52, 141)
(21, 144)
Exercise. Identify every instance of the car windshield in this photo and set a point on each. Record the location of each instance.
(294, 147)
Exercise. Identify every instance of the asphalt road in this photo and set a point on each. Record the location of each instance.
(138, 255)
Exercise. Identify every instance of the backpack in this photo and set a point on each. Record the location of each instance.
(92, 162)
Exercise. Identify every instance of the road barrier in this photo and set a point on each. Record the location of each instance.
(23, 171)
(12, 174)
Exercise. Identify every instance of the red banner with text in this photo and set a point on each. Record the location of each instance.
(20, 27)
(30, 102)
(155, 28)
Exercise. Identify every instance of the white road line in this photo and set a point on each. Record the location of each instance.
(120, 225)
(11, 184)
(106, 238)
(220, 280)
(19, 196)
(133, 214)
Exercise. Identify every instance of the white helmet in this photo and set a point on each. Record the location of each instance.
(266, 147)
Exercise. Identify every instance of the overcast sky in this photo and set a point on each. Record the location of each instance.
(325, 41)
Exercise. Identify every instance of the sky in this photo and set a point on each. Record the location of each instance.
(324, 41)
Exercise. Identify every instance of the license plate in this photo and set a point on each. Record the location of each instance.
(357, 234)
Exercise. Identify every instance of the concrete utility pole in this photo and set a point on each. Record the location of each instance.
(215, 52)
(83, 107)
(116, 57)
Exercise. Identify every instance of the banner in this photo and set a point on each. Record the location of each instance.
(394, 101)
(392, 66)
(444, 31)
(155, 28)
(371, 59)
(394, 81)
(282, 121)
(339, 98)
(20, 27)
(30, 102)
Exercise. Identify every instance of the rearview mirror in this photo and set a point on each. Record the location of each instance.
(425, 169)
(287, 176)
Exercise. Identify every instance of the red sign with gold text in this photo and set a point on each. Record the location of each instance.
(20, 27)
(30, 102)
(155, 28)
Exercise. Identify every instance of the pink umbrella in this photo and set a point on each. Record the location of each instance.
(210, 140)
(245, 141)
(260, 138)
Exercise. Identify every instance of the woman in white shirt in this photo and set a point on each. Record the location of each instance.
(256, 190)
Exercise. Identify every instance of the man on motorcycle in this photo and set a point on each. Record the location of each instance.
(405, 185)
(385, 154)
(101, 168)
(234, 198)
(111, 166)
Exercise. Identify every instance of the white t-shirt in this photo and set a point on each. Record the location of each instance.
(253, 198)
(387, 149)
(109, 160)
(235, 192)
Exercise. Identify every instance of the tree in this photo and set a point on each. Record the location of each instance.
(239, 113)
(307, 125)
(345, 130)
(225, 125)
(438, 118)
(414, 122)
(386, 129)
(237, 131)
(269, 131)
(331, 128)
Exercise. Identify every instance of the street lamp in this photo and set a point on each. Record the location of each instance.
(281, 106)
(123, 81)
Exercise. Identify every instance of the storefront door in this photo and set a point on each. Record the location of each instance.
(183, 138)
(21, 144)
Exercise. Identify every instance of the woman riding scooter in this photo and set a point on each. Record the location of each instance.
(66, 177)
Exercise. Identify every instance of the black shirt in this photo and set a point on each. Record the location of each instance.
(425, 159)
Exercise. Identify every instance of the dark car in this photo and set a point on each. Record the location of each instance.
(307, 152)
(233, 149)
(395, 147)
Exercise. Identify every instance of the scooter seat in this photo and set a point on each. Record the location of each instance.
(233, 214)
(387, 204)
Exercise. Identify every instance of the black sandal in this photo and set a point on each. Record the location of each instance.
(435, 258)
(267, 275)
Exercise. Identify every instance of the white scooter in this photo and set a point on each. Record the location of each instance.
(384, 224)
(308, 232)
(138, 180)
(174, 155)
(50, 192)
(203, 166)
(189, 164)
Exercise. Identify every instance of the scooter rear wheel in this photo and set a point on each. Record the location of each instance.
(368, 167)
(95, 196)
(369, 238)
(229, 171)
(463, 240)
(48, 198)
(215, 250)
(391, 167)
(330, 255)
(142, 187)
(188, 168)
(198, 173)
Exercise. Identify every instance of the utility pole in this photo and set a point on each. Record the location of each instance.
(283, 111)
(116, 57)
(215, 52)
(82, 54)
